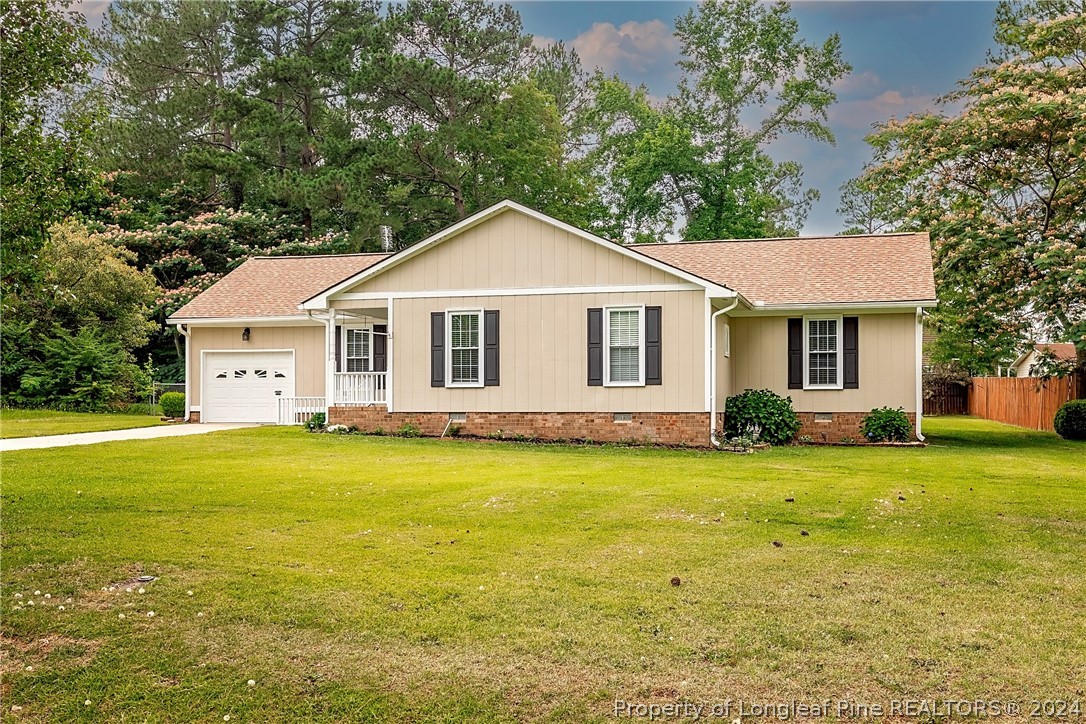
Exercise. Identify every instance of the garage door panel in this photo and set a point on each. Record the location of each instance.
(245, 386)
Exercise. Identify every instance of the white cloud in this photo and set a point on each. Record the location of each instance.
(862, 113)
(631, 48)
(855, 83)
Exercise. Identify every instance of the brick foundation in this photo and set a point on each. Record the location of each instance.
(843, 424)
(668, 428)
(194, 416)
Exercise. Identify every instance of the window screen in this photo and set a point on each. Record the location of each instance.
(464, 347)
(624, 345)
(822, 350)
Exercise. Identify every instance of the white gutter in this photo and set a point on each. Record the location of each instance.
(188, 370)
(919, 372)
(712, 370)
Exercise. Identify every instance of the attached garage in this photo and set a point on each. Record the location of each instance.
(245, 386)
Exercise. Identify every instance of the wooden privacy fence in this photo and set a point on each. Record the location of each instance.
(1023, 401)
(945, 397)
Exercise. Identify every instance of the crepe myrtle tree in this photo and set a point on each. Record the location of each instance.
(1001, 185)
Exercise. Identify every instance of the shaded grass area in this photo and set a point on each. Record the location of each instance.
(31, 423)
(387, 579)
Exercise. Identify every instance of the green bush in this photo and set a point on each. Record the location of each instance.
(1070, 422)
(173, 404)
(409, 429)
(886, 425)
(83, 372)
(760, 413)
(316, 422)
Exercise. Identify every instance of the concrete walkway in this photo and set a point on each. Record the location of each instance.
(139, 433)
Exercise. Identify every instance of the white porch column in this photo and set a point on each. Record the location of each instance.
(330, 361)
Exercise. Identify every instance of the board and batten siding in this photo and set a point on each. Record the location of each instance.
(887, 363)
(544, 355)
(723, 364)
(306, 341)
(513, 250)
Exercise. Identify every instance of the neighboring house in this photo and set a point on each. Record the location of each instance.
(1025, 365)
(516, 322)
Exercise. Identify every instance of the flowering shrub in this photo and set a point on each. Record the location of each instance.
(762, 415)
(884, 424)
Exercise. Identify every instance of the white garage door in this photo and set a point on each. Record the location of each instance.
(245, 386)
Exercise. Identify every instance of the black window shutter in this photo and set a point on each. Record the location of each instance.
(653, 346)
(795, 354)
(491, 358)
(851, 348)
(595, 347)
(339, 348)
(437, 349)
(380, 348)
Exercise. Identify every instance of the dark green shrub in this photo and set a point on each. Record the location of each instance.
(1070, 422)
(173, 404)
(763, 412)
(79, 372)
(409, 429)
(886, 425)
(316, 422)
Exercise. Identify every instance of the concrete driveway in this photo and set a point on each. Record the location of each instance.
(139, 433)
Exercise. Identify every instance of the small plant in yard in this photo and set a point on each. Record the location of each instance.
(1070, 421)
(173, 404)
(338, 429)
(805, 439)
(765, 410)
(316, 422)
(848, 440)
(409, 429)
(884, 424)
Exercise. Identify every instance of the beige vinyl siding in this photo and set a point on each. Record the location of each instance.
(306, 341)
(513, 250)
(723, 364)
(544, 357)
(887, 363)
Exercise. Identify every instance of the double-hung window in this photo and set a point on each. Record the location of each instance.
(465, 360)
(624, 342)
(822, 353)
(357, 345)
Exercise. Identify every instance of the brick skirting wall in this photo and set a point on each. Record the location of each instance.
(194, 416)
(668, 428)
(843, 424)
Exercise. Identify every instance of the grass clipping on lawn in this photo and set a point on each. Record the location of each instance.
(360, 577)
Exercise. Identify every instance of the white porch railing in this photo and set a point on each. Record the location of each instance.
(298, 410)
(360, 388)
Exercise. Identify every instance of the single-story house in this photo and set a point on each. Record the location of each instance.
(1025, 365)
(513, 321)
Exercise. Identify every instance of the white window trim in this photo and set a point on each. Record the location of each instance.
(448, 347)
(640, 309)
(807, 356)
(343, 343)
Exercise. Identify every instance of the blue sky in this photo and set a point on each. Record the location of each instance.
(903, 54)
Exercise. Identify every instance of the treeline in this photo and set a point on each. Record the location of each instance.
(189, 135)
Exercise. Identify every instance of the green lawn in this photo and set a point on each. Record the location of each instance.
(361, 578)
(31, 423)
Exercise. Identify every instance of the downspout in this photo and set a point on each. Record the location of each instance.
(712, 369)
(919, 372)
(188, 369)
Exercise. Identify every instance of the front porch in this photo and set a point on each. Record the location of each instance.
(357, 344)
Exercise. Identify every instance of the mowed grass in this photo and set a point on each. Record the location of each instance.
(31, 423)
(361, 578)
